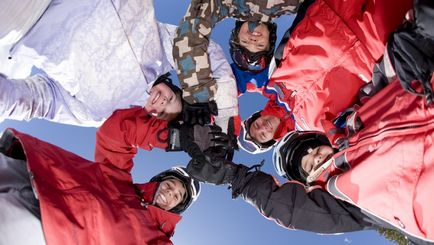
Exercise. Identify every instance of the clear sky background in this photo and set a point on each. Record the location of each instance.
(215, 218)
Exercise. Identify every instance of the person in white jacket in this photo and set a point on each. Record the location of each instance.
(81, 60)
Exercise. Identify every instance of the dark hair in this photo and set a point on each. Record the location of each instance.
(168, 81)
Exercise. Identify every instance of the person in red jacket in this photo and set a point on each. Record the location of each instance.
(379, 174)
(82, 202)
(326, 57)
(96, 202)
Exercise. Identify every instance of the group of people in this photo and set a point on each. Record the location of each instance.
(349, 115)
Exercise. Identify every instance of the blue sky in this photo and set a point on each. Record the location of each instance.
(215, 218)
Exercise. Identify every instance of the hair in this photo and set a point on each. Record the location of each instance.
(168, 81)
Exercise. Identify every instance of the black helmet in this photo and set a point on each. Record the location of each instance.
(165, 78)
(245, 140)
(246, 60)
(192, 186)
(291, 148)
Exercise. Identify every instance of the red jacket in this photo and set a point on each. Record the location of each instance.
(124, 132)
(330, 55)
(84, 202)
(388, 167)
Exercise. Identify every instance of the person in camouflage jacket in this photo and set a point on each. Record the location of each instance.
(191, 42)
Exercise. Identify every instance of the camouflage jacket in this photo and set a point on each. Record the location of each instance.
(191, 42)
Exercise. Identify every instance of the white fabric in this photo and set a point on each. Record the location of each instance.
(17, 17)
(105, 55)
(40, 97)
(18, 225)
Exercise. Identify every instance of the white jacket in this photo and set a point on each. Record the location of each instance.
(96, 56)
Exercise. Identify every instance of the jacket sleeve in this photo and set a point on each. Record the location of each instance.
(118, 139)
(292, 207)
(190, 51)
(226, 95)
(40, 97)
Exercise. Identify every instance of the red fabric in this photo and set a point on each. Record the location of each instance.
(330, 55)
(119, 138)
(84, 202)
(392, 162)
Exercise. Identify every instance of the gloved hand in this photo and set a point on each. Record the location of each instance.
(198, 113)
(205, 137)
(212, 167)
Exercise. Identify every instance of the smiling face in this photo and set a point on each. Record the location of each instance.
(171, 192)
(263, 128)
(255, 41)
(163, 103)
(315, 158)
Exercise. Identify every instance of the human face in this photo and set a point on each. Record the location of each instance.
(315, 158)
(163, 103)
(255, 41)
(263, 129)
(170, 193)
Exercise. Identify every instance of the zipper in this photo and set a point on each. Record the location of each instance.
(387, 131)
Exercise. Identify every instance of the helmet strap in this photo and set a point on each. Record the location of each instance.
(314, 176)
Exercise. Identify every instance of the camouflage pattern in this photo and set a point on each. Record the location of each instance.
(191, 42)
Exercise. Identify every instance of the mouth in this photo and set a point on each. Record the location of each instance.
(154, 113)
(256, 34)
(162, 198)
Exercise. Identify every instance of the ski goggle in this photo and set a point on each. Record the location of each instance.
(248, 61)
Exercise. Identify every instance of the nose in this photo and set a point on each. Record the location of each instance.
(160, 104)
(252, 38)
(169, 194)
(162, 101)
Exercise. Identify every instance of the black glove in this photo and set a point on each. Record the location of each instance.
(204, 136)
(212, 167)
(198, 113)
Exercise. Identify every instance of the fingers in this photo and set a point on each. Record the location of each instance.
(219, 135)
(215, 129)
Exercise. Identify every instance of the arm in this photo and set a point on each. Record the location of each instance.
(190, 52)
(119, 138)
(40, 97)
(292, 207)
(226, 96)
(289, 205)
